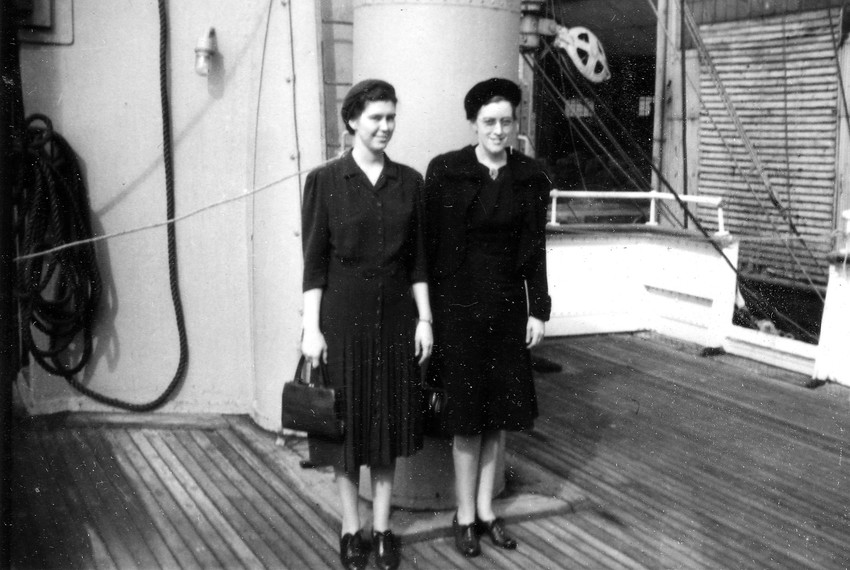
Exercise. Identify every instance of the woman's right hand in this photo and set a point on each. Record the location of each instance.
(314, 347)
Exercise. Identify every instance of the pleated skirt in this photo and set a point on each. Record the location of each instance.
(369, 327)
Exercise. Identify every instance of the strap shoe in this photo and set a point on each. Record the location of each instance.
(495, 529)
(385, 546)
(466, 539)
(353, 551)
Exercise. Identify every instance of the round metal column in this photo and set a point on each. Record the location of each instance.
(433, 51)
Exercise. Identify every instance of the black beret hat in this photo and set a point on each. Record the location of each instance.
(367, 90)
(486, 90)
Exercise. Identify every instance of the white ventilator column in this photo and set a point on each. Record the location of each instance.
(433, 52)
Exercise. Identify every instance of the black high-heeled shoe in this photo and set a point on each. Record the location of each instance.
(495, 529)
(466, 539)
(353, 551)
(386, 550)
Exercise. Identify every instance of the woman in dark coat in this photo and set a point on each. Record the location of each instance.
(486, 211)
(363, 254)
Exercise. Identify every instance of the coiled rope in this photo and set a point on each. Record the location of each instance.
(60, 292)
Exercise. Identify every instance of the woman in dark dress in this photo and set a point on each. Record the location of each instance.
(486, 212)
(363, 254)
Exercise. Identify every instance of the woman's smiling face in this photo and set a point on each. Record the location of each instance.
(375, 125)
(494, 125)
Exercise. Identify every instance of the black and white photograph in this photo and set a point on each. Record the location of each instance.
(425, 284)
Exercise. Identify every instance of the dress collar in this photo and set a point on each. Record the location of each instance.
(350, 167)
(521, 166)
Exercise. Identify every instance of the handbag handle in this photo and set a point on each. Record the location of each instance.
(323, 373)
(423, 379)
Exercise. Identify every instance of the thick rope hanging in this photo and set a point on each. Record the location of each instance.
(60, 291)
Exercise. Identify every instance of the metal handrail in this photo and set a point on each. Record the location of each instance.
(653, 197)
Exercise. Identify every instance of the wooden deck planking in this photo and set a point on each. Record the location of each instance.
(700, 495)
(686, 462)
(236, 506)
(42, 516)
(105, 507)
(308, 545)
(185, 540)
(701, 468)
(774, 394)
(312, 527)
(737, 493)
(76, 510)
(669, 530)
(204, 502)
(94, 445)
(783, 452)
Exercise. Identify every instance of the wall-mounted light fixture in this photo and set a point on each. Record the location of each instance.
(204, 52)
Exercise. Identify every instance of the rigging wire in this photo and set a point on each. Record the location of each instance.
(763, 209)
(638, 180)
(560, 100)
(166, 222)
(693, 29)
(684, 95)
(754, 156)
(763, 305)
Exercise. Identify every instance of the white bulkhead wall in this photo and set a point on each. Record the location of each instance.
(247, 125)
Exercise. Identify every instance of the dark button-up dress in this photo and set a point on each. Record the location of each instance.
(487, 262)
(363, 245)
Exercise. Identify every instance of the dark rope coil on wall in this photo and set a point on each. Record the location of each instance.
(59, 293)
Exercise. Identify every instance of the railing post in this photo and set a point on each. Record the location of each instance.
(721, 226)
(653, 213)
(554, 216)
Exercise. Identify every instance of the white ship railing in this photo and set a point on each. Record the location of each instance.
(652, 197)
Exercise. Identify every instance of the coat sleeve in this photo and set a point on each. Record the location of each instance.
(430, 201)
(539, 301)
(419, 263)
(315, 234)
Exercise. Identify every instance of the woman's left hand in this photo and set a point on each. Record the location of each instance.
(535, 330)
(424, 340)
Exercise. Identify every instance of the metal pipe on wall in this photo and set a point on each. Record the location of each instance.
(660, 90)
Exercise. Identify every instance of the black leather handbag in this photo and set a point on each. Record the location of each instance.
(313, 407)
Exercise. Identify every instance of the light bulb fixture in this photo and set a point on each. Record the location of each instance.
(204, 52)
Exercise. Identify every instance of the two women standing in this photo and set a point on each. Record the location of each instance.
(370, 240)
